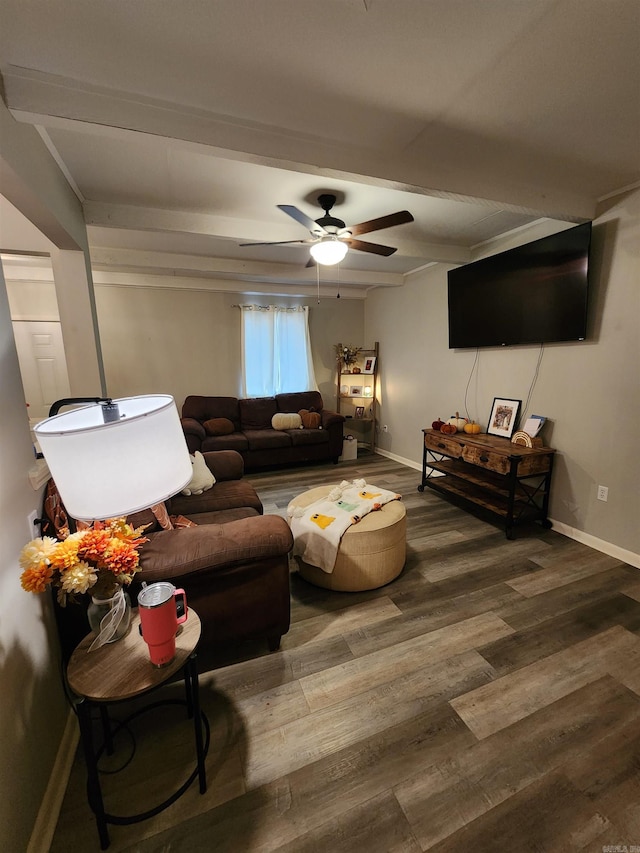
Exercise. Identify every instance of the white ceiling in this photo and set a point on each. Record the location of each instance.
(181, 124)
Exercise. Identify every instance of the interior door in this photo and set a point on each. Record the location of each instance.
(42, 364)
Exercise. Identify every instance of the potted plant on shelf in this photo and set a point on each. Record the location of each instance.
(346, 355)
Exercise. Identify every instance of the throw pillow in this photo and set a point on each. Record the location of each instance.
(202, 478)
(310, 419)
(218, 426)
(180, 521)
(286, 420)
(162, 516)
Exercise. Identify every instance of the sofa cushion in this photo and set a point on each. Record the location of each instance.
(218, 426)
(204, 408)
(256, 412)
(235, 441)
(261, 439)
(299, 400)
(230, 494)
(176, 553)
(302, 437)
(224, 515)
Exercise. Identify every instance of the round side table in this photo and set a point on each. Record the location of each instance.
(119, 671)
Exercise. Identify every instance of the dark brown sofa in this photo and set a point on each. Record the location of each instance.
(233, 566)
(253, 435)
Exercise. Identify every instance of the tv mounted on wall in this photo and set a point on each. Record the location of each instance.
(533, 294)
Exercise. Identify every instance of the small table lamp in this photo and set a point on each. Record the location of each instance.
(115, 457)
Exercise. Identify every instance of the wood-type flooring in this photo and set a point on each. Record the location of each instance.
(486, 700)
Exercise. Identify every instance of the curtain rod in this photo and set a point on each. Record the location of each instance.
(277, 307)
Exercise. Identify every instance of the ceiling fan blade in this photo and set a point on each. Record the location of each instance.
(398, 218)
(276, 243)
(302, 218)
(373, 248)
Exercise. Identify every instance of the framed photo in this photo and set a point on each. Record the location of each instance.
(359, 412)
(369, 364)
(503, 417)
(355, 391)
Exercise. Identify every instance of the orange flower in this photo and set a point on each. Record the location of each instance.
(101, 556)
(66, 554)
(121, 557)
(93, 545)
(36, 578)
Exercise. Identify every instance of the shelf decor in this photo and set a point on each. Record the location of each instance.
(357, 371)
(347, 354)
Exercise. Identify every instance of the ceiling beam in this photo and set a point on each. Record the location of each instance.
(326, 290)
(236, 230)
(33, 95)
(165, 264)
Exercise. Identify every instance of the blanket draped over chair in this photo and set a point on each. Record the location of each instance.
(318, 528)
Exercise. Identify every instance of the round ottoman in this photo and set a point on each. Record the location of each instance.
(371, 553)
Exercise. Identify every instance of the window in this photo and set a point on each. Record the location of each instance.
(276, 351)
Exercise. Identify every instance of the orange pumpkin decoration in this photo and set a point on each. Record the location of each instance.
(472, 429)
(448, 429)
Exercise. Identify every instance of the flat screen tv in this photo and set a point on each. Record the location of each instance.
(533, 294)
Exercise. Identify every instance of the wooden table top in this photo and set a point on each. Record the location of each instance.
(123, 669)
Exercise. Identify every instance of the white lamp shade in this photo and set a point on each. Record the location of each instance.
(328, 251)
(105, 470)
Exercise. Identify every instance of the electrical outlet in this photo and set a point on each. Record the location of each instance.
(603, 493)
(34, 527)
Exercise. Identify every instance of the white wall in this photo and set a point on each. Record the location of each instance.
(589, 391)
(185, 342)
(33, 710)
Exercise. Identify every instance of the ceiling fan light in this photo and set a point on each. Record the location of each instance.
(328, 251)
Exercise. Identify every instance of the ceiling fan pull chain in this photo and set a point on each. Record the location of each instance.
(318, 281)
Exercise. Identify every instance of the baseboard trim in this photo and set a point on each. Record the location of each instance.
(49, 811)
(570, 532)
(597, 544)
(399, 459)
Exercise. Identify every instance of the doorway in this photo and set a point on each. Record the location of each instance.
(37, 331)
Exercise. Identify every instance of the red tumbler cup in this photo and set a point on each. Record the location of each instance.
(159, 620)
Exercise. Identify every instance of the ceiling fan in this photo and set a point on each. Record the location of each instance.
(331, 239)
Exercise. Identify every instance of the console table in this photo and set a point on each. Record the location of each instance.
(122, 670)
(487, 471)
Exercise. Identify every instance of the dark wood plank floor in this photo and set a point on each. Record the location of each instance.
(488, 699)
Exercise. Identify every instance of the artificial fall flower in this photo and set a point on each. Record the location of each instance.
(121, 557)
(98, 558)
(79, 578)
(119, 528)
(93, 545)
(65, 555)
(37, 551)
(36, 578)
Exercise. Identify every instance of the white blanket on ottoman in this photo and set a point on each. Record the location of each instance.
(317, 529)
